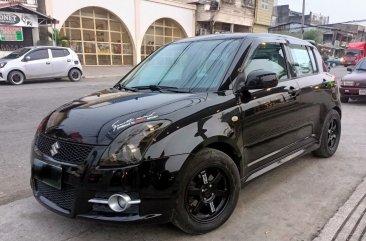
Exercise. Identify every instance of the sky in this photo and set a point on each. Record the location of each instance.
(337, 10)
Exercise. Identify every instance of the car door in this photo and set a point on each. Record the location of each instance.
(38, 64)
(271, 117)
(315, 84)
(61, 62)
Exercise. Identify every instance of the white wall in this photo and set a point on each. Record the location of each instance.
(137, 15)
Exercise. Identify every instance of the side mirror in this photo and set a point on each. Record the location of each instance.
(27, 58)
(350, 69)
(260, 79)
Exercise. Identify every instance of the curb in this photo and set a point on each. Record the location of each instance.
(349, 223)
(101, 76)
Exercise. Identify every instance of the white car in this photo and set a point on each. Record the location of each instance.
(39, 63)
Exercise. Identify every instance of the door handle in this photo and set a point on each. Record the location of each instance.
(69, 60)
(48, 62)
(293, 91)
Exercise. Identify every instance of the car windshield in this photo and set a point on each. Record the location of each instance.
(186, 66)
(17, 53)
(353, 52)
(361, 65)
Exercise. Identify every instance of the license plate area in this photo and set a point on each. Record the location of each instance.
(47, 173)
(362, 92)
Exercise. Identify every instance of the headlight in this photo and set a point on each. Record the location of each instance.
(2, 65)
(341, 59)
(130, 146)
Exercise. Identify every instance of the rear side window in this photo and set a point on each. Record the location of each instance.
(303, 64)
(39, 54)
(58, 53)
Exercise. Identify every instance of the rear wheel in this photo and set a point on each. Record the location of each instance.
(333, 65)
(331, 135)
(208, 192)
(344, 99)
(75, 75)
(16, 77)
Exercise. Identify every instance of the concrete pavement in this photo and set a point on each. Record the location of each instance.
(94, 72)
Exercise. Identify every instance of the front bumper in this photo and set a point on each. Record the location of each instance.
(151, 182)
(353, 92)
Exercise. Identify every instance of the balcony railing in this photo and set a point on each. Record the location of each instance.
(28, 2)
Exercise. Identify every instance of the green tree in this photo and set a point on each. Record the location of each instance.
(59, 40)
(315, 35)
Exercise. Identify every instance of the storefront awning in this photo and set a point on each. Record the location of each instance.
(20, 8)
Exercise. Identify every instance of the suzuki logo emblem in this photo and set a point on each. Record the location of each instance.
(54, 148)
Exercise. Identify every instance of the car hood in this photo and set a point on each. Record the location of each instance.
(358, 76)
(93, 119)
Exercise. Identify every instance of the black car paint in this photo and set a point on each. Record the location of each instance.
(255, 128)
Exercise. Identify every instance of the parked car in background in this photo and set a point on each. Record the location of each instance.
(333, 61)
(40, 63)
(174, 140)
(353, 85)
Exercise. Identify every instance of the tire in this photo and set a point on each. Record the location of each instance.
(16, 77)
(75, 75)
(209, 188)
(344, 99)
(333, 65)
(331, 135)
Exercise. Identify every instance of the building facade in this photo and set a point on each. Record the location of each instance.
(19, 24)
(118, 32)
(220, 16)
(284, 15)
(263, 16)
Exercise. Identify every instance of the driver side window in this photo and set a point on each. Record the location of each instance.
(270, 57)
(39, 54)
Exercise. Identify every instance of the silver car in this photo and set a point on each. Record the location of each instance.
(39, 63)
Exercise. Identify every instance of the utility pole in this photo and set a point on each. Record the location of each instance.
(303, 19)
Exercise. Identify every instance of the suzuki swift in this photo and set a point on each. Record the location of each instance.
(175, 139)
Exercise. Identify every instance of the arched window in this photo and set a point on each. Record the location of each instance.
(98, 37)
(161, 32)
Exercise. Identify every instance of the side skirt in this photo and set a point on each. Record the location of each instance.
(279, 161)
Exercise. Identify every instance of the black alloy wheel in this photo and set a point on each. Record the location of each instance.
(207, 194)
(209, 186)
(16, 77)
(331, 135)
(75, 75)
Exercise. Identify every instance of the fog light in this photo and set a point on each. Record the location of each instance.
(119, 202)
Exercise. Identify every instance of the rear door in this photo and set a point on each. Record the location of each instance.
(38, 64)
(271, 117)
(61, 62)
(317, 86)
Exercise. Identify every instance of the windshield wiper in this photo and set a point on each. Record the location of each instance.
(160, 88)
(122, 87)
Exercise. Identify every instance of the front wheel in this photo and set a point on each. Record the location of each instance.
(331, 135)
(75, 75)
(16, 77)
(208, 192)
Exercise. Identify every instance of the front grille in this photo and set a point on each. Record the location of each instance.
(68, 152)
(63, 198)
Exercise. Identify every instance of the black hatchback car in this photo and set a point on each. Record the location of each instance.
(174, 140)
